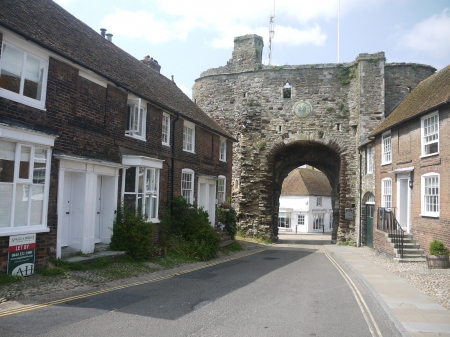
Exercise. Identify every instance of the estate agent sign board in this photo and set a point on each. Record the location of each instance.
(21, 254)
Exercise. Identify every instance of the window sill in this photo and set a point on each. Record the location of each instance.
(136, 137)
(165, 144)
(429, 155)
(223, 161)
(430, 216)
(20, 99)
(8, 231)
(189, 151)
(387, 163)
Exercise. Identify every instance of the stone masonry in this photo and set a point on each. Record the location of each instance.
(255, 103)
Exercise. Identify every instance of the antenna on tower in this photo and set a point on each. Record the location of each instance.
(271, 32)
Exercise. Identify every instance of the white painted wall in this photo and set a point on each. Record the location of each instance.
(306, 205)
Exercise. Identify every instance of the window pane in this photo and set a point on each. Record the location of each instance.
(37, 204)
(5, 204)
(11, 63)
(130, 179)
(150, 183)
(34, 72)
(154, 201)
(130, 199)
(7, 155)
(141, 180)
(24, 168)
(21, 206)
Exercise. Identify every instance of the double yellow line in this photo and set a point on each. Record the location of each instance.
(68, 299)
(373, 327)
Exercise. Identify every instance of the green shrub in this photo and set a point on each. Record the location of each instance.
(437, 248)
(187, 231)
(228, 216)
(132, 233)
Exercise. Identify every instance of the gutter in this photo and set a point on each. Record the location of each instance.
(110, 79)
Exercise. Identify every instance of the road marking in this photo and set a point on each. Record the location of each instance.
(103, 291)
(370, 320)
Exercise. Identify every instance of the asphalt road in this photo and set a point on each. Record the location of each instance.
(293, 288)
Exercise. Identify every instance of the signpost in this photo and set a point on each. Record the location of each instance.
(21, 254)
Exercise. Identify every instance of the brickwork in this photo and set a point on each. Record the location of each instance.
(406, 152)
(246, 98)
(90, 122)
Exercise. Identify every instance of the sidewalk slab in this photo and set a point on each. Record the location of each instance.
(418, 314)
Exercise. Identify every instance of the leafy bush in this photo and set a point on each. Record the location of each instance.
(186, 231)
(228, 216)
(133, 233)
(437, 248)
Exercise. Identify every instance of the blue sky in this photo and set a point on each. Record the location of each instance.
(190, 36)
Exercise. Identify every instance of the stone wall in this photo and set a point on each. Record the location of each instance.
(247, 99)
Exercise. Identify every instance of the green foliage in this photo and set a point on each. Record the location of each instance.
(329, 109)
(341, 106)
(48, 271)
(186, 230)
(437, 248)
(250, 102)
(132, 233)
(235, 247)
(227, 215)
(261, 145)
(6, 279)
(347, 74)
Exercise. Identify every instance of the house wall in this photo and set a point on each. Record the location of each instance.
(306, 205)
(406, 152)
(89, 117)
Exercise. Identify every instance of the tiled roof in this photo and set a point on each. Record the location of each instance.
(304, 181)
(428, 95)
(46, 23)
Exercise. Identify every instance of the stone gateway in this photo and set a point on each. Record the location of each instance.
(288, 116)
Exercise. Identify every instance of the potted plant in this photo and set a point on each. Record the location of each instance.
(438, 258)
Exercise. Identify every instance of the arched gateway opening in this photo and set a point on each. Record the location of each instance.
(285, 157)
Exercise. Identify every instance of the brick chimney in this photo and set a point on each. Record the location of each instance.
(150, 62)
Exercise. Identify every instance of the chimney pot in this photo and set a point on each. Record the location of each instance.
(103, 31)
(172, 79)
(109, 37)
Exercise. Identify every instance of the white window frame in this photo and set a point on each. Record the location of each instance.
(301, 220)
(186, 193)
(425, 133)
(32, 140)
(139, 113)
(165, 134)
(386, 148)
(221, 194)
(287, 219)
(188, 139)
(319, 201)
(386, 193)
(318, 221)
(223, 149)
(369, 160)
(425, 195)
(147, 164)
(31, 50)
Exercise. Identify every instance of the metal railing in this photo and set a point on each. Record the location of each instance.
(388, 223)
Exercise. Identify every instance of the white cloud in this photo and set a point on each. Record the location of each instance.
(431, 36)
(295, 22)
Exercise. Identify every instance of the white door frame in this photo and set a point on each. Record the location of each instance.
(403, 181)
(210, 197)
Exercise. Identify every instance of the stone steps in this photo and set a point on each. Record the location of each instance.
(411, 249)
(225, 240)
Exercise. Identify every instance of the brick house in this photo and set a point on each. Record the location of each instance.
(407, 160)
(84, 126)
(305, 202)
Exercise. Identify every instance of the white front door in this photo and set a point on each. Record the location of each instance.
(67, 199)
(207, 197)
(98, 208)
(403, 201)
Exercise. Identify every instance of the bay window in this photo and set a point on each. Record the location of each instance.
(24, 181)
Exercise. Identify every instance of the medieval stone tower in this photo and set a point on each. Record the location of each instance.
(287, 116)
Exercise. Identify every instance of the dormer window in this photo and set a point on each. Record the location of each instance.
(136, 119)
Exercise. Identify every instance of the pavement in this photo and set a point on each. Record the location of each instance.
(412, 312)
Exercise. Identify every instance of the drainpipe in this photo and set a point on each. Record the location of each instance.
(358, 244)
(173, 158)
